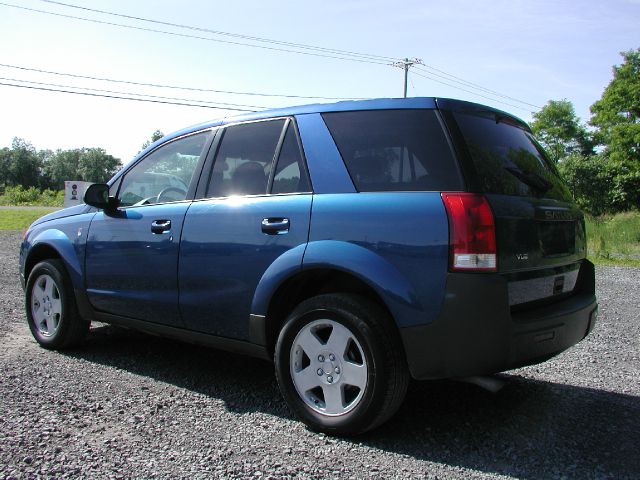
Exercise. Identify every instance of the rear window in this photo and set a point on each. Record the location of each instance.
(507, 159)
(394, 150)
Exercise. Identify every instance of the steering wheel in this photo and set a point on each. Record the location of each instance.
(164, 191)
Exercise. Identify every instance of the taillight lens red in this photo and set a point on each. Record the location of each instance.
(472, 232)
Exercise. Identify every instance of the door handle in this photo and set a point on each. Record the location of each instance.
(275, 226)
(160, 226)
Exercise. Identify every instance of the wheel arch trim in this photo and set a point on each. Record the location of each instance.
(58, 241)
(382, 277)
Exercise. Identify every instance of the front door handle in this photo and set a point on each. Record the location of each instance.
(160, 226)
(275, 226)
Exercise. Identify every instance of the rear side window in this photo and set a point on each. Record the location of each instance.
(507, 158)
(244, 160)
(394, 150)
(290, 175)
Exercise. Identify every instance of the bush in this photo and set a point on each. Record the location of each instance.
(601, 185)
(31, 196)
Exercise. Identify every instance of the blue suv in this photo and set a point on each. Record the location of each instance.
(355, 244)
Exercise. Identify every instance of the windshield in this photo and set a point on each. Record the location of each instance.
(507, 158)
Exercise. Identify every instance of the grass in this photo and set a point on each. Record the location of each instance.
(17, 219)
(614, 239)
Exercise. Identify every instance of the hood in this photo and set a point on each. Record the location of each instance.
(65, 212)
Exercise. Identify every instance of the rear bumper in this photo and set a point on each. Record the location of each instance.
(476, 332)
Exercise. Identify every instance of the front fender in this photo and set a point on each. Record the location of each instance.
(67, 249)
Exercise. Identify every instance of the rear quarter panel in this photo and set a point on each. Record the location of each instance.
(397, 242)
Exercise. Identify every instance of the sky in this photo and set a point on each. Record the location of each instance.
(525, 52)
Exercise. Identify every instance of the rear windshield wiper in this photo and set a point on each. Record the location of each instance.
(532, 179)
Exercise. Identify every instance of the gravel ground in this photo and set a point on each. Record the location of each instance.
(128, 405)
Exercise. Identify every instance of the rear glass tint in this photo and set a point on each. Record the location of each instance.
(507, 159)
(394, 150)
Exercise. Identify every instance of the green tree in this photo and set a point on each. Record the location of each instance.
(24, 165)
(155, 136)
(88, 164)
(5, 159)
(95, 165)
(45, 157)
(63, 165)
(616, 117)
(617, 114)
(559, 130)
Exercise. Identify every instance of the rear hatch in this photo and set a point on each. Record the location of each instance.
(539, 231)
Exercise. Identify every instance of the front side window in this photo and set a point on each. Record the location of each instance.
(243, 163)
(165, 174)
(394, 150)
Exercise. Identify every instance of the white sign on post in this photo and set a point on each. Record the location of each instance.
(74, 192)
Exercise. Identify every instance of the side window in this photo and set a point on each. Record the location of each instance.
(244, 159)
(113, 189)
(165, 174)
(290, 175)
(394, 150)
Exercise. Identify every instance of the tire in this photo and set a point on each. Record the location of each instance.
(51, 309)
(340, 364)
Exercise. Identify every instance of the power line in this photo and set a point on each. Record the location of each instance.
(395, 61)
(475, 86)
(315, 50)
(229, 34)
(469, 91)
(123, 98)
(185, 35)
(156, 85)
(130, 93)
(209, 90)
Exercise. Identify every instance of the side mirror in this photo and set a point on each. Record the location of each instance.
(97, 195)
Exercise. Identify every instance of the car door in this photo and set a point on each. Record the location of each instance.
(257, 207)
(132, 253)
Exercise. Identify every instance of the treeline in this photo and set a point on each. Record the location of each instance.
(23, 167)
(600, 161)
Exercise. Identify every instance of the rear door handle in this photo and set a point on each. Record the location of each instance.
(275, 226)
(160, 226)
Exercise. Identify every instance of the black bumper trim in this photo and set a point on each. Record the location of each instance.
(476, 332)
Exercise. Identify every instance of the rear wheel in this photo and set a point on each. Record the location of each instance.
(340, 364)
(51, 309)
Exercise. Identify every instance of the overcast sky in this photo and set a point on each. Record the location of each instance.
(531, 51)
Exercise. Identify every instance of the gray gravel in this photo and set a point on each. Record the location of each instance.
(129, 405)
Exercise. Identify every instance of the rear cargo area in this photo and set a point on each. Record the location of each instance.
(539, 231)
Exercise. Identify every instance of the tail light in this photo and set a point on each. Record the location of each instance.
(472, 232)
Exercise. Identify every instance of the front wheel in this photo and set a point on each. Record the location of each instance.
(50, 306)
(340, 364)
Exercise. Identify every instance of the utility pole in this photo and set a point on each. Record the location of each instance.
(405, 65)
